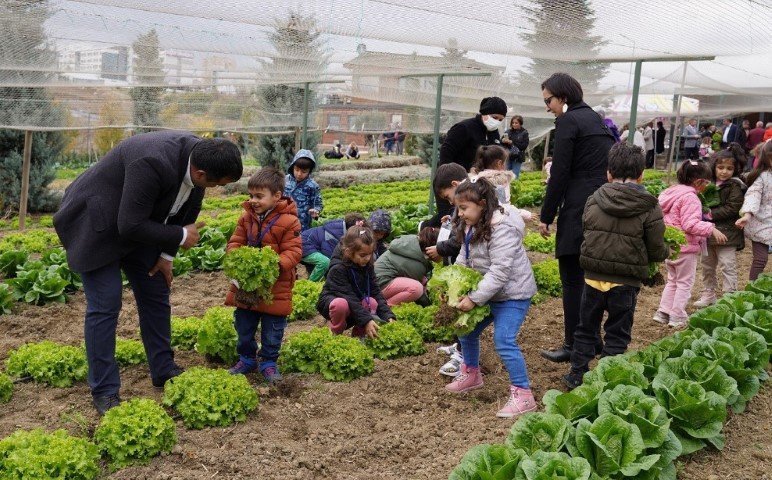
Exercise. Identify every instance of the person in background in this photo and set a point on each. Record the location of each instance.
(623, 233)
(352, 151)
(319, 243)
(661, 133)
(755, 137)
(491, 165)
(516, 141)
(388, 140)
(638, 140)
(730, 132)
(380, 223)
(399, 140)
(742, 135)
(403, 271)
(705, 150)
(648, 139)
(579, 164)
(130, 213)
(335, 153)
(303, 189)
(270, 220)
(691, 138)
(609, 123)
(718, 134)
(547, 169)
(768, 132)
(756, 212)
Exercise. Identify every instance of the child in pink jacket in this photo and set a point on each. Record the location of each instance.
(682, 209)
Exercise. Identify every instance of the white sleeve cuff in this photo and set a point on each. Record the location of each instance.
(184, 235)
(167, 257)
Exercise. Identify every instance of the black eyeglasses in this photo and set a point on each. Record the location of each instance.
(548, 100)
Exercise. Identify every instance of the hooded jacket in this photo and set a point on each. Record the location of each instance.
(501, 179)
(731, 193)
(324, 238)
(682, 209)
(307, 194)
(623, 233)
(283, 236)
(404, 258)
(347, 280)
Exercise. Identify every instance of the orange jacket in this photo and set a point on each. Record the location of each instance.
(284, 238)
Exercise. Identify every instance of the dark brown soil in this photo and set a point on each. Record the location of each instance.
(398, 423)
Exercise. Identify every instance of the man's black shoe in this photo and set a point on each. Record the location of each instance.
(161, 381)
(561, 355)
(572, 380)
(103, 404)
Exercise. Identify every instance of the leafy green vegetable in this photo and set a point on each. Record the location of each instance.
(300, 351)
(581, 402)
(206, 258)
(210, 398)
(134, 432)
(342, 359)
(129, 352)
(217, 336)
(708, 373)
(488, 462)
(709, 197)
(256, 270)
(697, 416)
(35, 454)
(447, 286)
(6, 298)
(534, 242)
(759, 321)
(185, 332)
(32, 241)
(654, 187)
(553, 465)
(532, 432)
(547, 276)
(675, 238)
(675, 344)
(617, 370)
(422, 319)
(305, 294)
(650, 357)
(762, 285)
(48, 362)
(38, 284)
(181, 265)
(6, 388)
(612, 446)
(634, 406)
(11, 260)
(743, 302)
(709, 318)
(743, 338)
(395, 340)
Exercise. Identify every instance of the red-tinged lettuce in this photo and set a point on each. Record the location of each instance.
(553, 465)
(488, 462)
(617, 370)
(712, 317)
(36, 454)
(697, 415)
(532, 432)
(581, 402)
(448, 286)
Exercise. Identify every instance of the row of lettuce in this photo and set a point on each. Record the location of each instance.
(635, 414)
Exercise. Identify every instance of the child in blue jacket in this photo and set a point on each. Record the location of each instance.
(319, 243)
(303, 189)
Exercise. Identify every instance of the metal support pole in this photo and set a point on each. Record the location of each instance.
(673, 141)
(304, 142)
(436, 142)
(634, 102)
(27, 161)
(546, 148)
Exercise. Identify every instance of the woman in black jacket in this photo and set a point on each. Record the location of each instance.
(579, 164)
(659, 143)
(516, 141)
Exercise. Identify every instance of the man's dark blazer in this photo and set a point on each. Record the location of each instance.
(121, 202)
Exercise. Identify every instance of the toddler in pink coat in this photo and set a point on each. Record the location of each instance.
(682, 209)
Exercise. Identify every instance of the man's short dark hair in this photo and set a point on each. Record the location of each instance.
(267, 177)
(219, 158)
(446, 174)
(563, 85)
(625, 161)
(304, 164)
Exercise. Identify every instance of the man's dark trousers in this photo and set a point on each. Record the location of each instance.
(103, 288)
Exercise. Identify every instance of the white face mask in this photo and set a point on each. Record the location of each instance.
(491, 123)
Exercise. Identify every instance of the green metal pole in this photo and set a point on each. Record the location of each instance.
(634, 103)
(436, 143)
(304, 141)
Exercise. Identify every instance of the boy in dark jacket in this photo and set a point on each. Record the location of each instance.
(448, 177)
(623, 233)
(319, 243)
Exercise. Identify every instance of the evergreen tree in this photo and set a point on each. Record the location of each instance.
(148, 70)
(25, 43)
(299, 57)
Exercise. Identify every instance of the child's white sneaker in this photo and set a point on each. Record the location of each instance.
(660, 317)
(448, 350)
(707, 299)
(453, 367)
(678, 323)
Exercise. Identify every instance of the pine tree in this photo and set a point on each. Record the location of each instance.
(148, 70)
(299, 57)
(25, 43)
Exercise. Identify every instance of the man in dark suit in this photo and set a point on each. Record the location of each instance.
(730, 133)
(132, 211)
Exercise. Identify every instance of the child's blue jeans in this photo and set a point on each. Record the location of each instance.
(507, 317)
(271, 334)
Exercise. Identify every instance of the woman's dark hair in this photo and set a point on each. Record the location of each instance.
(563, 85)
(219, 158)
(427, 237)
(693, 170)
(356, 237)
(352, 219)
(518, 118)
(625, 161)
(446, 174)
(481, 192)
(488, 156)
(722, 156)
(765, 162)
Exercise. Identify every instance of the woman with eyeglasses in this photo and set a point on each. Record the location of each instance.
(579, 164)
